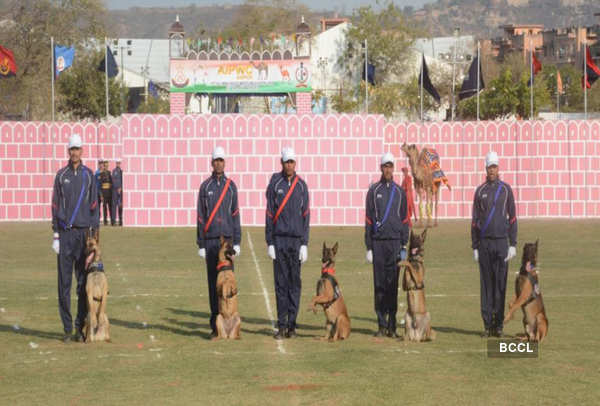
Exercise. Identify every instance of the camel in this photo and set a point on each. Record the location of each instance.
(262, 68)
(426, 187)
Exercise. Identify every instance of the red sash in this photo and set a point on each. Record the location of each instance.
(214, 211)
(285, 200)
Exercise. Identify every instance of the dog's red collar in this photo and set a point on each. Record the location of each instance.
(224, 266)
(330, 271)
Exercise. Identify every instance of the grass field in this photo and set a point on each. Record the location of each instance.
(160, 354)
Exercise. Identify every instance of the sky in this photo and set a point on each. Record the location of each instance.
(339, 5)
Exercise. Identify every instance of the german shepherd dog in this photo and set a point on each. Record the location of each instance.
(228, 320)
(96, 326)
(417, 320)
(529, 297)
(330, 297)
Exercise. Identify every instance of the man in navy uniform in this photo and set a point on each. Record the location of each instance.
(117, 193)
(106, 188)
(286, 232)
(74, 211)
(494, 241)
(386, 236)
(218, 215)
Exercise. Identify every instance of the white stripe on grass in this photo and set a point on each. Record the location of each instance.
(265, 293)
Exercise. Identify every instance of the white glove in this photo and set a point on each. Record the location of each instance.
(512, 252)
(271, 252)
(370, 256)
(476, 255)
(237, 250)
(56, 244)
(303, 254)
(202, 252)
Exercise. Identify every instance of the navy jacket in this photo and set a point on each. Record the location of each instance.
(294, 219)
(226, 221)
(503, 223)
(67, 188)
(117, 178)
(396, 225)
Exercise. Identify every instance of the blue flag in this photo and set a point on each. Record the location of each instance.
(112, 69)
(152, 89)
(63, 58)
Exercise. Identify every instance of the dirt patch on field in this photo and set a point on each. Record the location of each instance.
(290, 387)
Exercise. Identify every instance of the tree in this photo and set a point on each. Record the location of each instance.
(389, 38)
(82, 92)
(154, 105)
(30, 25)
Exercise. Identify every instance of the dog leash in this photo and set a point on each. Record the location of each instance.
(378, 224)
(214, 211)
(489, 219)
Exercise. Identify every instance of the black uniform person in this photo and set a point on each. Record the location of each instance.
(74, 210)
(386, 236)
(218, 215)
(117, 193)
(286, 233)
(106, 188)
(494, 222)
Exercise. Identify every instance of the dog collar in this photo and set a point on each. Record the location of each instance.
(96, 267)
(224, 266)
(330, 271)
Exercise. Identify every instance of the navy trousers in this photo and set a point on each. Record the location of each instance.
(117, 206)
(72, 254)
(212, 247)
(493, 272)
(385, 278)
(286, 270)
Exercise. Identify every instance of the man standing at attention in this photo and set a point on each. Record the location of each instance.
(218, 215)
(117, 193)
(386, 236)
(74, 211)
(286, 233)
(494, 241)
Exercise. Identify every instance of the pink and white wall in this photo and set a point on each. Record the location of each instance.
(553, 166)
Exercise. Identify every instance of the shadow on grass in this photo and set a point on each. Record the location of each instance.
(152, 326)
(456, 330)
(31, 332)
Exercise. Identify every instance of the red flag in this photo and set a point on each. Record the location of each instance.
(559, 85)
(219, 40)
(592, 72)
(537, 65)
(8, 67)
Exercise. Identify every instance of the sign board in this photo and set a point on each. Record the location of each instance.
(261, 76)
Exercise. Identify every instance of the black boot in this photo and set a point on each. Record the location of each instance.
(380, 332)
(281, 333)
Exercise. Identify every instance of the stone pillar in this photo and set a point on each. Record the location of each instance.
(177, 103)
(303, 103)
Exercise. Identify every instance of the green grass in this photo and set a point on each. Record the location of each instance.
(156, 278)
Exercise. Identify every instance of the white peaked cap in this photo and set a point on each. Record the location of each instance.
(491, 159)
(288, 154)
(218, 153)
(75, 141)
(387, 158)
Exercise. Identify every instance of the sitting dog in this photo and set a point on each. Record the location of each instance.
(228, 320)
(330, 297)
(417, 320)
(96, 326)
(529, 297)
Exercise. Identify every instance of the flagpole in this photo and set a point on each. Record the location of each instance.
(478, 65)
(106, 72)
(585, 80)
(422, 59)
(530, 80)
(366, 77)
(52, 74)
(557, 94)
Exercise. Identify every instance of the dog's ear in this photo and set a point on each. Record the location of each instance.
(334, 249)
(537, 243)
(97, 235)
(423, 235)
(222, 239)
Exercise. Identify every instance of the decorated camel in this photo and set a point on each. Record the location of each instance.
(427, 175)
